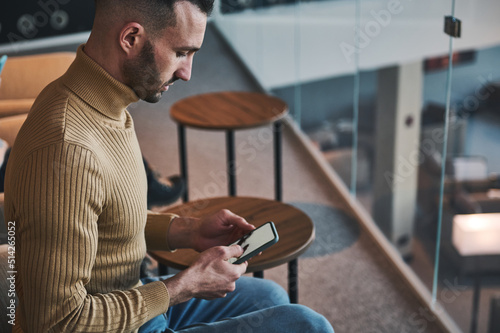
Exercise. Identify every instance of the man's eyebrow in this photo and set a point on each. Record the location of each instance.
(188, 48)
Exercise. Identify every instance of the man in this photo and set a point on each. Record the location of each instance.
(76, 189)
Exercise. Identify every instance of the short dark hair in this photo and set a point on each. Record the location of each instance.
(153, 15)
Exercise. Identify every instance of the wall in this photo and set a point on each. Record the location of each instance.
(331, 99)
(314, 41)
(39, 23)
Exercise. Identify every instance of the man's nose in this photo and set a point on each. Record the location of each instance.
(184, 71)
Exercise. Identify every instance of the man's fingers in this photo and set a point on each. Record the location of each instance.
(242, 267)
(234, 251)
(238, 221)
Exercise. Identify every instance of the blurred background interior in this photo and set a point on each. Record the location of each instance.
(394, 115)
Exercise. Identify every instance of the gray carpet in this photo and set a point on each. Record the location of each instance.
(335, 229)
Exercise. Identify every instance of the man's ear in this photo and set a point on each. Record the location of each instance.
(132, 37)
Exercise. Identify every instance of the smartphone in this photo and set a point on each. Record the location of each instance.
(3, 60)
(256, 241)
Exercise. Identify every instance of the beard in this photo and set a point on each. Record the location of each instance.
(142, 75)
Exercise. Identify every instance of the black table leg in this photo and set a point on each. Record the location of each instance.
(278, 160)
(162, 269)
(259, 274)
(475, 303)
(494, 321)
(293, 281)
(183, 159)
(231, 162)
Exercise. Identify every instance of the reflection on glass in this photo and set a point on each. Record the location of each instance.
(355, 108)
(443, 164)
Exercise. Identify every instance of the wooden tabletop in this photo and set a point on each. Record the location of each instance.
(295, 229)
(228, 110)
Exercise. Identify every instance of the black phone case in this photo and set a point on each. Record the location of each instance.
(260, 249)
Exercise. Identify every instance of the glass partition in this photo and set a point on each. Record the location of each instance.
(466, 274)
(404, 114)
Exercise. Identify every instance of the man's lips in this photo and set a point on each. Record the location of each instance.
(165, 87)
(169, 83)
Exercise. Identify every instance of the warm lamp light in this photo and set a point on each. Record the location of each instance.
(476, 234)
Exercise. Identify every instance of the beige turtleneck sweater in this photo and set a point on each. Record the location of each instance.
(76, 189)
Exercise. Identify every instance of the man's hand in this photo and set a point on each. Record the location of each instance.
(210, 276)
(222, 228)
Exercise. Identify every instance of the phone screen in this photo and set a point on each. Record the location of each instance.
(256, 241)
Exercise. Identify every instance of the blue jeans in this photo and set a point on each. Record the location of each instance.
(256, 306)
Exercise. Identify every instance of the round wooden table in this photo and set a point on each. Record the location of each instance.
(229, 111)
(294, 227)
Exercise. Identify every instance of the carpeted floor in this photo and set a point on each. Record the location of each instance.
(344, 276)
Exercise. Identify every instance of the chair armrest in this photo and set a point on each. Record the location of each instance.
(12, 107)
(10, 126)
(26, 76)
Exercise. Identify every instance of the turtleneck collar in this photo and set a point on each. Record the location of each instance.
(97, 87)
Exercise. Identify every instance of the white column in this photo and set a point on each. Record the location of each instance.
(399, 104)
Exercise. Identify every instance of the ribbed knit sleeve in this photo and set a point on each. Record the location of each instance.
(156, 231)
(58, 240)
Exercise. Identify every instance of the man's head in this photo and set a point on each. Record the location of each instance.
(154, 41)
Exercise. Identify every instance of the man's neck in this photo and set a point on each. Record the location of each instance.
(103, 54)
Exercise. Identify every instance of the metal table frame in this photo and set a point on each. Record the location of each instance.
(231, 168)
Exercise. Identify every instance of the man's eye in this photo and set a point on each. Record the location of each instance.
(181, 54)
